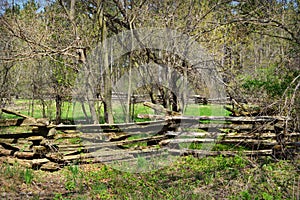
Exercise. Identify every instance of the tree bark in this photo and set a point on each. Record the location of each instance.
(58, 102)
(15, 113)
(108, 114)
(160, 109)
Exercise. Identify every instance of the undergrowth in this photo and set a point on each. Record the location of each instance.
(218, 177)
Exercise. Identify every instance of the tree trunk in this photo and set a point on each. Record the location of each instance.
(93, 111)
(184, 92)
(174, 92)
(128, 105)
(58, 102)
(174, 102)
(108, 116)
(84, 112)
(43, 108)
(90, 98)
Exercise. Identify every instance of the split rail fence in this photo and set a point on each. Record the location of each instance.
(37, 144)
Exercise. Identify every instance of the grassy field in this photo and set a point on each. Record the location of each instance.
(71, 111)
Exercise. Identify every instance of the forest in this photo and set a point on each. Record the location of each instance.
(254, 45)
(108, 64)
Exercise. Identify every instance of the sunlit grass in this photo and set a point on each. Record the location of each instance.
(205, 110)
(74, 110)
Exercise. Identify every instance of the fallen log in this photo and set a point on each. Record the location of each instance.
(8, 140)
(99, 128)
(16, 113)
(234, 127)
(208, 140)
(160, 109)
(25, 155)
(28, 120)
(109, 155)
(78, 157)
(115, 157)
(222, 119)
(98, 159)
(40, 150)
(50, 166)
(187, 140)
(67, 135)
(24, 163)
(242, 111)
(145, 132)
(240, 136)
(17, 122)
(202, 153)
(103, 144)
(9, 146)
(36, 140)
(10, 122)
(55, 156)
(5, 152)
(36, 163)
(258, 144)
(150, 116)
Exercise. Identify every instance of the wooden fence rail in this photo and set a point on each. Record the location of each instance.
(50, 147)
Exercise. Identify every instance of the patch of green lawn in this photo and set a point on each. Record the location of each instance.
(74, 111)
(205, 110)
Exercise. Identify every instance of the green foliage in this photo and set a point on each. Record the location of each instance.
(205, 110)
(58, 196)
(191, 145)
(17, 172)
(9, 171)
(245, 195)
(141, 162)
(28, 176)
(74, 177)
(228, 147)
(271, 80)
(76, 140)
(186, 178)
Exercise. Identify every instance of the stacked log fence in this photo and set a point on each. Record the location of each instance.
(45, 146)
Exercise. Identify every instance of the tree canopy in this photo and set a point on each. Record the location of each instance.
(255, 46)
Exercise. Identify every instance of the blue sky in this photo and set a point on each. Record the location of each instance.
(42, 3)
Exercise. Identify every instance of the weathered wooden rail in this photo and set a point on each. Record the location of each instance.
(50, 147)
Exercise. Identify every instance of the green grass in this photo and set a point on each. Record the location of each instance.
(24, 175)
(191, 178)
(71, 111)
(218, 177)
(205, 110)
(215, 147)
(229, 147)
(15, 129)
(74, 140)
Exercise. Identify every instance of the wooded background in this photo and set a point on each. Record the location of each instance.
(255, 45)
